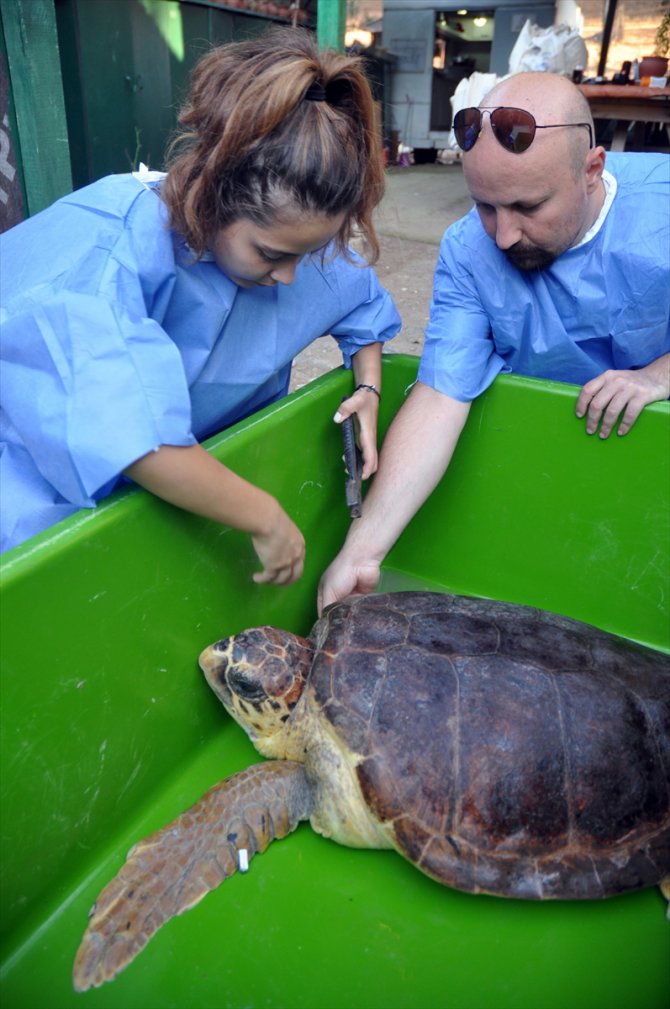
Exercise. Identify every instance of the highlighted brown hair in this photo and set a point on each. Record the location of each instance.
(251, 145)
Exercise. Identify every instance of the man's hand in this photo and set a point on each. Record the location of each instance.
(346, 577)
(608, 396)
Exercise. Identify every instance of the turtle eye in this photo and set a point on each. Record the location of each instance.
(240, 684)
(221, 646)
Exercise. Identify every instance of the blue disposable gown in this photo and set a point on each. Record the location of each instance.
(604, 304)
(115, 341)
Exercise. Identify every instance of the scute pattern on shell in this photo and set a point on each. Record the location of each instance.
(509, 750)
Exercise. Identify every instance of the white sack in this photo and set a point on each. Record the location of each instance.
(558, 49)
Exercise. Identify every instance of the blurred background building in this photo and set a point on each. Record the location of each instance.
(91, 87)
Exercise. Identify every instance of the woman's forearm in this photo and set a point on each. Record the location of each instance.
(194, 480)
(191, 478)
(367, 365)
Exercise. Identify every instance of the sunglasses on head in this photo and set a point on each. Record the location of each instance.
(514, 129)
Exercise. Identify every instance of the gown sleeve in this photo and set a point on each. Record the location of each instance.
(90, 386)
(370, 313)
(459, 357)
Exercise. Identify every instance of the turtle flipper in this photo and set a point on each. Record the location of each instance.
(171, 870)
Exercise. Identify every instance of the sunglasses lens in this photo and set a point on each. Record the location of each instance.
(513, 128)
(467, 125)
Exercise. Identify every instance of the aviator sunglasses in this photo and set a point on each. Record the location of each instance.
(514, 129)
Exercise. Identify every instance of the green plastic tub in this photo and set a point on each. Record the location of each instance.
(109, 730)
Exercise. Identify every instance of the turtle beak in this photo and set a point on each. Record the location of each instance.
(214, 661)
(230, 684)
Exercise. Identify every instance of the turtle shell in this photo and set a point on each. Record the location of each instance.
(504, 750)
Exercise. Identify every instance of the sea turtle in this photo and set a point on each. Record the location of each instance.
(501, 749)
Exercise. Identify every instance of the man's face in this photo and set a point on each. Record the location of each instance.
(533, 207)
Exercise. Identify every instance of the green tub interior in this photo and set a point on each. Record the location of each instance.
(108, 729)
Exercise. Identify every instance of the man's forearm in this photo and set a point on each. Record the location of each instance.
(416, 452)
(659, 371)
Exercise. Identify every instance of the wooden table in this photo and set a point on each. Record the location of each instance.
(626, 104)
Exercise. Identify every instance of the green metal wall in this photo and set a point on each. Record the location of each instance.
(125, 70)
(92, 87)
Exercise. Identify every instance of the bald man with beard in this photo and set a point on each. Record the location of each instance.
(560, 271)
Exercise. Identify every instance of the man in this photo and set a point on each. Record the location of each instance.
(560, 271)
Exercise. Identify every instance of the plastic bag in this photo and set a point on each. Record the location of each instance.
(558, 49)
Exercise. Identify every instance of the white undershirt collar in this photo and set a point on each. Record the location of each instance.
(610, 192)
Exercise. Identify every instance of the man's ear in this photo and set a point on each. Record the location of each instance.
(595, 164)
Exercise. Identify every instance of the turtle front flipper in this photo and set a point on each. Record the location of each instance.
(170, 871)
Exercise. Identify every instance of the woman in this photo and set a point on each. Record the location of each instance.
(145, 312)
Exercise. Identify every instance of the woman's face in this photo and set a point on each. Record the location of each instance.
(251, 255)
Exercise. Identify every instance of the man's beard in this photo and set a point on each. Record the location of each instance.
(529, 257)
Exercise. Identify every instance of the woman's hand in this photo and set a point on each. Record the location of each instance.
(365, 404)
(281, 551)
(192, 479)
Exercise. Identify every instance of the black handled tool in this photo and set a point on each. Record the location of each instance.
(353, 465)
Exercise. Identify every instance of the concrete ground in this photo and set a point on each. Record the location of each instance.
(419, 204)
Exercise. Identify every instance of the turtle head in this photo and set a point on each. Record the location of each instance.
(259, 676)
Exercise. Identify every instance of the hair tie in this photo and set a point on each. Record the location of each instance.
(315, 93)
